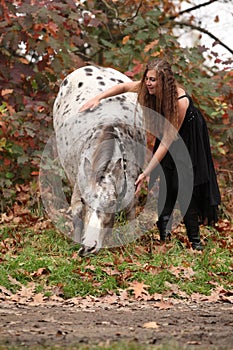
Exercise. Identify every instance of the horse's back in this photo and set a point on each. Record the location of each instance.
(73, 128)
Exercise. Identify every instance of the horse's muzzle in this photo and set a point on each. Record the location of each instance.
(84, 250)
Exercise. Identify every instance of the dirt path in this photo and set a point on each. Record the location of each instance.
(198, 325)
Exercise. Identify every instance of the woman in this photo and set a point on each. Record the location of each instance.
(159, 91)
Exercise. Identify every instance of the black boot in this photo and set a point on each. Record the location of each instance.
(194, 239)
(192, 227)
(197, 246)
(164, 231)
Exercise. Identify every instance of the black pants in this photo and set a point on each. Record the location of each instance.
(172, 189)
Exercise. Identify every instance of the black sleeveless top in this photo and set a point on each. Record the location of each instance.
(194, 134)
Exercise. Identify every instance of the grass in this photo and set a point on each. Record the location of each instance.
(51, 262)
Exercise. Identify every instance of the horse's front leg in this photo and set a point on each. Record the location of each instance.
(77, 213)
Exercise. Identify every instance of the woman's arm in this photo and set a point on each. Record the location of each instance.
(163, 146)
(155, 160)
(167, 141)
(130, 86)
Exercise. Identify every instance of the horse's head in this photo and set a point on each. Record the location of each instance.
(101, 200)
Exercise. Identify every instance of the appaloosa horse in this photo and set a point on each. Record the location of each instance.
(101, 151)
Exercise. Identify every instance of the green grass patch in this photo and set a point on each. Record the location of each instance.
(51, 262)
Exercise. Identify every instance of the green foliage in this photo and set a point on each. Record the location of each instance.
(42, 42)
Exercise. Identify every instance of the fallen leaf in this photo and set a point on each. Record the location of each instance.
(7, 91)
(123, 294)
(188, 273)
(5, 291)
(12, 280)
(163, 305)
(111, 272)
(138, 288)
(228, 299)
(38, 298)
(41, 271)
(157, 296)
(153, 325)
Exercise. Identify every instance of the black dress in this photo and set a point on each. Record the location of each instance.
(194, 135)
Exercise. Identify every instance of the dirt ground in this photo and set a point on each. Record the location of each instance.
(194, 325)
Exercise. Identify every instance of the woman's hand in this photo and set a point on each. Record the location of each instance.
(139, 182)
(90, 104)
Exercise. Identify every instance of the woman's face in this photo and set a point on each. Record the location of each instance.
(151, 81)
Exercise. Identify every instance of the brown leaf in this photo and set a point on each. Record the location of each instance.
(38, 298)
(110, 299)
(123, 294)
(125, 39)
(193, 342)
(174, 289)
(188, 273)
(157, 296)
(138, 288)
(41, 271)
(5, 291)
(90, 267)
(226, 298)
(111, 272)
(175, 271)
(152, 325)
(151, 45)
(163, 305)
(27, 292)
(23, 60)
(6, 218)
(152, 269)
(7, 91)
(14, 281)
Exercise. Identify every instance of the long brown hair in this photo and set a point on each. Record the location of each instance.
(166, 100)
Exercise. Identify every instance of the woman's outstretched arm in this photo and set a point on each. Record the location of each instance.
(112, 91)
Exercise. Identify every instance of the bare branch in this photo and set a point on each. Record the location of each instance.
(200, 29)
(114, 9)
(194, 8)
(134, 16)
(205, 31)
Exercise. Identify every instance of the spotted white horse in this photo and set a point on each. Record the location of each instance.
(101, 151)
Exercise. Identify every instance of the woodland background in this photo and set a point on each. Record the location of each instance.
(40, 43)
(43, 41)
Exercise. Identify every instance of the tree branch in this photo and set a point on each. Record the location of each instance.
(114, 9)
(135, 15)
(190, 9)
(205, 31)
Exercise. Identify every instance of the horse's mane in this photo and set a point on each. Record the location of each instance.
(103, 152)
